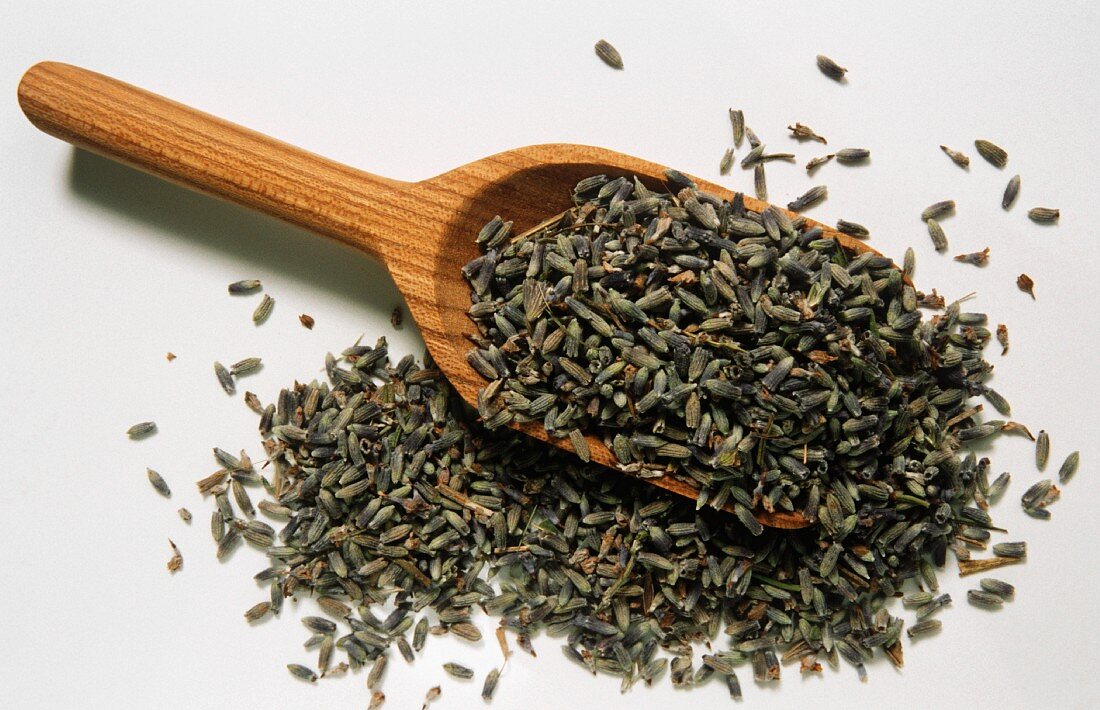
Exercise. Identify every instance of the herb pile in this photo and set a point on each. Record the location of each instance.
(395, 497)
(744, 350)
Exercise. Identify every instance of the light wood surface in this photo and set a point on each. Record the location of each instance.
(423, 232)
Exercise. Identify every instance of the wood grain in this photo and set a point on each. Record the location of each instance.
(423, 231)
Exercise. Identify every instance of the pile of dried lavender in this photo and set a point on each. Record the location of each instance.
(744, 350)
(392, 493)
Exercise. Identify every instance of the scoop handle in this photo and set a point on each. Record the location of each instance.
(206, 153)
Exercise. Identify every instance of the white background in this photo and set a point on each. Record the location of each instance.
(103, 270)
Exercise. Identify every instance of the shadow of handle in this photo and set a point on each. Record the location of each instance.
(207, 154)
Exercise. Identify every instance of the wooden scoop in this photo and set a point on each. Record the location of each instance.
(422, 231)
